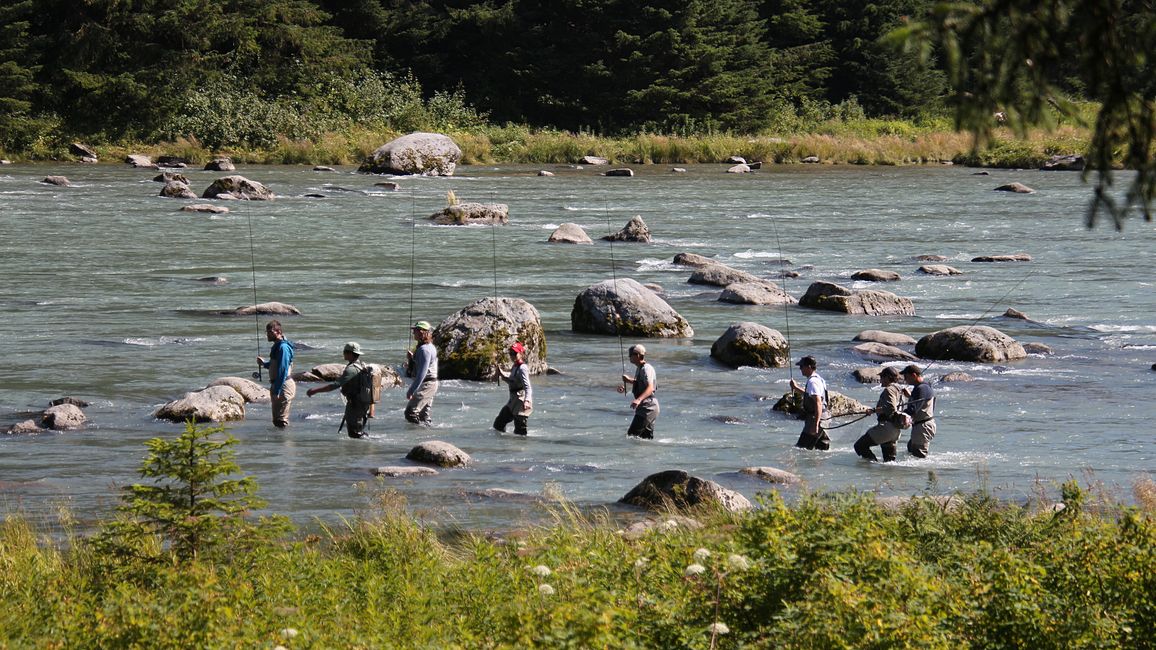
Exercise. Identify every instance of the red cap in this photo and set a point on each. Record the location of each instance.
(518, 347)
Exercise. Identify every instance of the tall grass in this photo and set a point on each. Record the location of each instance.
(831, 571)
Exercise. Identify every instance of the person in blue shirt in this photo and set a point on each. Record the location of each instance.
(282, 388)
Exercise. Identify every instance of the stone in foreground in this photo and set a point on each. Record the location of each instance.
(676, 489)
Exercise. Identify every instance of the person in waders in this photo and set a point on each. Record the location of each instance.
(282, 388)
(643, 386)
(890, 420)
(814, 436)
(921, 408)
(356, 409)
(423, 367)
(521, 403)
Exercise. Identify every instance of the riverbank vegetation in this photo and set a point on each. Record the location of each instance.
(182, 566)
(513, 81)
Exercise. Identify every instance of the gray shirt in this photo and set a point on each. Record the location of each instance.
(425, 365)
(644, 377)
(519, 380)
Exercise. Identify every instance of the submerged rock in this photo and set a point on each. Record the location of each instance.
(1015, 188)
(763, 292)
(1014, 257)
(59, 181)
(882, 352)
(63, 417)
(887, 338)
(875, 275)
(265, 308)
(938, 269)
(772, 475)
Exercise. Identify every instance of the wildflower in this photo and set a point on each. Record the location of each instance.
(718, 628)
(738, 562)
(545, 589)
(694, 570)
(541, 571)
(669, 524)
(289, 633)
(641, 562)
(701, 555)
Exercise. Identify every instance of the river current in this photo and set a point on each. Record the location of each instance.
(101, 302)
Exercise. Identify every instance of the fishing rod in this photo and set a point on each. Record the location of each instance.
(786, 312)
(614, 277)
(494, 238)
(253, 263)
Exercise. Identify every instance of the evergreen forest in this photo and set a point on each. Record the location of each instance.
(232, 73)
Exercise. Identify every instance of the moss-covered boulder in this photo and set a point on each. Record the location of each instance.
(625, 307)
(474, 342)
(751, 344)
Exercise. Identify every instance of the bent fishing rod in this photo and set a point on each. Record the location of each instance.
(614, 279)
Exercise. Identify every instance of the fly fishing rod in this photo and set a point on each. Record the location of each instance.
(614, 279)
(253, 264)
(786, 312)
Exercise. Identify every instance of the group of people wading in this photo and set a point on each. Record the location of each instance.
(897, 409)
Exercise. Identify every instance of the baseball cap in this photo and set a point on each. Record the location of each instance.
(422, 325)
(353, 347)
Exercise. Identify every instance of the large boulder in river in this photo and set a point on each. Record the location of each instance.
(421, 154)
(938, 269)
(436, 452)
(63, 417)
(473, 342)
(213, 404)
(331, 371)
(59, 181)
(82, 150)
(635, 230)
(248, 389)
(676, 489)
(177, 190)
(626, 308)
(975, 343)
(569, 233)
(468, 214)
(237, 187)
(832, 297)
(139, 160)
(763, 292)
(753, 345)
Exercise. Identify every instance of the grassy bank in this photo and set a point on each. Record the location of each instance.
(832, 571)
(860, 142)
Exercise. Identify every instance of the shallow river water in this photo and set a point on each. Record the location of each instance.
(101, 301)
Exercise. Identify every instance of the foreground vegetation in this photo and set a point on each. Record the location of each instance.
(181, 567)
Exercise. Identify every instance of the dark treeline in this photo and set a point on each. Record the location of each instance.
(243, 72)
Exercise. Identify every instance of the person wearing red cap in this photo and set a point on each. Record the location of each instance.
(521, 403)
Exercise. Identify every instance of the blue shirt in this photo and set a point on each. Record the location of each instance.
(279, 363)
(425, 365)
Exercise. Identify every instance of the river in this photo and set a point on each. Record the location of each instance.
(101, 302)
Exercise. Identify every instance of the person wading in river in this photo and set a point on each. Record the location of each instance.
(521, 403)
(356, 409)
(282, 388)
(921, 408)
(891, 420)
(643, 386)
(814, 436)
(423, 367)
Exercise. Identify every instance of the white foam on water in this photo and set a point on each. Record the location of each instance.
(1103, 327)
